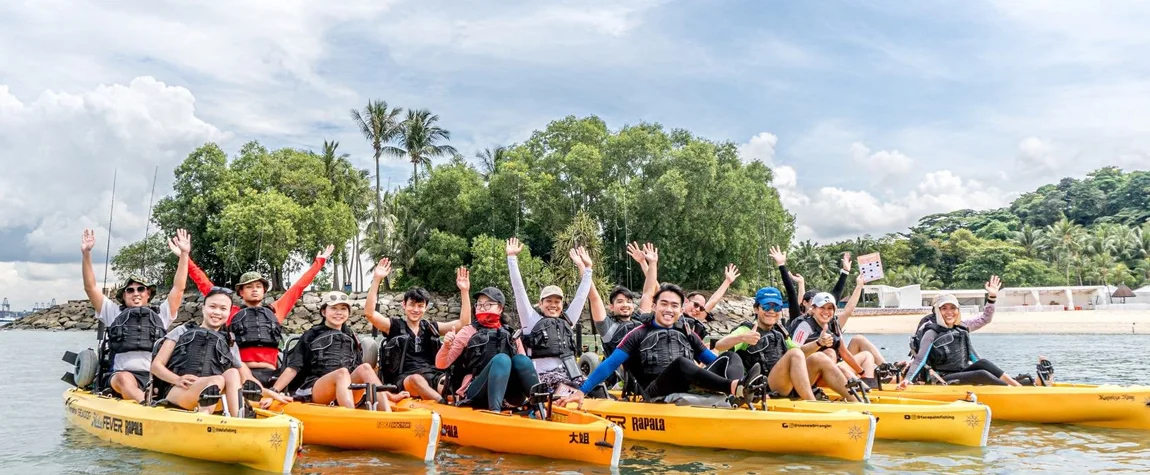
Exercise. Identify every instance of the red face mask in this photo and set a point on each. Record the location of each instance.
(488, 319)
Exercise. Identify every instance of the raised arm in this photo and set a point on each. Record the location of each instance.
(729, 275)
(527, 315)
(860, 281)
(583, 262)
(95, 295)
(992, 286)
(176, 296)
(198, 276)
(651, 277)
(378, 320)
(841, 284)
(285, 303)
(780, 258)
(598, 310)
(463, 282)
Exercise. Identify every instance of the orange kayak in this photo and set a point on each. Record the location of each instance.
(569, 435)
(413, 432)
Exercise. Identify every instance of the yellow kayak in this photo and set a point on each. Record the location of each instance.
(413, 432)
(959, 422)
(570, 435)
(844, 435)
(269, 444)
(1117, 407)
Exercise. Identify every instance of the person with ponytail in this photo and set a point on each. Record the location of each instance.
(488, 365)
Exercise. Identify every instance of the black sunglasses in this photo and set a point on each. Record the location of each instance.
(220, 290)
(135, 290)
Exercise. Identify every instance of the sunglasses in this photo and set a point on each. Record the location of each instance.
(220, 290)
(135, 290)
(772, 307)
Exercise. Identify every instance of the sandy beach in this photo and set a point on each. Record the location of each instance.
(1075, 322)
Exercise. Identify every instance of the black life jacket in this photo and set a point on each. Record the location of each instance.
(135, 329)
(622, 328)
(694, 326)
(660, 347)
(201, 352)
(768, 351)
(951, 350)
(405, 352)
(816, 329)
(920, 329)
(550, 338)
(483, 346)
(331, 350)
(256, 326)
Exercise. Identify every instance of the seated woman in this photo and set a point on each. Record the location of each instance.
(820, 331)
(490, 368)
(201, 362)
(330, 360)
(945, 344)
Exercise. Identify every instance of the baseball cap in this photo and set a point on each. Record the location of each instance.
(334, 298)
(493, 294)
(822, 298)
(550, 290)
(768, 295)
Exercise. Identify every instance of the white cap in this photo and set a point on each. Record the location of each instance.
(822, 298)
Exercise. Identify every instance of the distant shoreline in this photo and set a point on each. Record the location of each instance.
(1067, 322)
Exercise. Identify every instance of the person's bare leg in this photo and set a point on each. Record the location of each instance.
(190, 398)
(232, 384)
(334, 386)
(124, 383)
(418, 385)
(365, 375)
(820, 366)
(859, 344)
(790, 374)
(1009, 380)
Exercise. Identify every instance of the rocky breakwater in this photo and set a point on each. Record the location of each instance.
(79, 315)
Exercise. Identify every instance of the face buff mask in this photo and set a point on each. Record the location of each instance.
(488, 319)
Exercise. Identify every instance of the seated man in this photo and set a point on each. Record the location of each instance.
(548, 334)
(330, 360)
(132, 326)
(414, 369)
(661, 355)
(201, 362)
(764, 342)
(489, 367)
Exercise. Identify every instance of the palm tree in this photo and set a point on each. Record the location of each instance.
(921, 275)
(1030, 239)
(490, 159)
(419, 138)
(1142, 241)
(379, 124)
(1126, 242)
(1065, 240)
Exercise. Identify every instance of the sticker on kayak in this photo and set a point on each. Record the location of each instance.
(221, 430)
(450, 431)
(972, 421)
(580, 438)
(1117, 397)
(915, 417)
(855, 433)
(116, 424)
(792, 425)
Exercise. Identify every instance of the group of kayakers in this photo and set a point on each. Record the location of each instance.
(656, 347)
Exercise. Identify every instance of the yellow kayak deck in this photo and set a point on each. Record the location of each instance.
(959, 423)
(841, 434)
(570, 435)
(413, 432)
(269, 444)
(1116, 407)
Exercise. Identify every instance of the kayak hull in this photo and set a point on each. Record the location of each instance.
(413, 432)
(1116, 407)
(570, 435)
(269, 444)
(842, 434)
(958, 423)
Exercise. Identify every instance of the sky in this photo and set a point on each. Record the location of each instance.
(871, 113)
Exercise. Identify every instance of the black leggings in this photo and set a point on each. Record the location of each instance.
(683, 372)
(981, 373)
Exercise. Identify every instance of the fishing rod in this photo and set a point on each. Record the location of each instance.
(146, 264)
(108, 250)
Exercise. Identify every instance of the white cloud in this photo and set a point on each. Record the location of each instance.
(884, 165)
(833, 213)
(1038, 157)
(59, 154)
(761, 147)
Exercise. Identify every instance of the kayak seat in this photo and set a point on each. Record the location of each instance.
(696, 400)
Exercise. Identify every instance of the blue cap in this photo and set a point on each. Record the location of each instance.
(769, 295)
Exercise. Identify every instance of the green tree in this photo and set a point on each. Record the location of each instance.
(434, 264)
(148, 258)
(1027, 272)
(489, 268)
